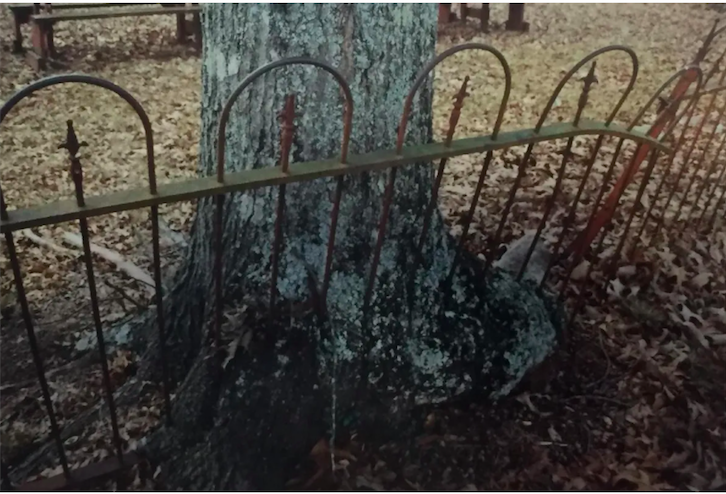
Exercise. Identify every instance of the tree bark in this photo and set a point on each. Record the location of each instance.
(242, 423)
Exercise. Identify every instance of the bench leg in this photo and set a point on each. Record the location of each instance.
(484, 17)
(464, 11)
(516, 18)
(445, 14)
(38, 56)
(18, 43)
(181, 29)
(197, 22)
(49, 43)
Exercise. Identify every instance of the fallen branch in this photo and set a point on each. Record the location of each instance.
(44, 242)
(86, 359)
(129, 268)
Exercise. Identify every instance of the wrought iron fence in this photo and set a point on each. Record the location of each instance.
(676, 109)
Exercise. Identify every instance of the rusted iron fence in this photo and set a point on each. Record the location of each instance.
(673, 133)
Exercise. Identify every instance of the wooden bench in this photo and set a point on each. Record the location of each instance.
(22, 13)
(42, 26)
(514, 23)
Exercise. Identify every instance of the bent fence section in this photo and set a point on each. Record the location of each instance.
(625, 226)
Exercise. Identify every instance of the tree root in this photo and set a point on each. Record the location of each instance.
(45, 454)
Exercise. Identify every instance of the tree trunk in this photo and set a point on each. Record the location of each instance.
(242, 423)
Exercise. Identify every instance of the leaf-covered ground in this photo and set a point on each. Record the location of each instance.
(636, 400)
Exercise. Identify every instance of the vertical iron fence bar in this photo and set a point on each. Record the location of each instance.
(335, 211)
(277, 240)
(667, 169)
(287, 116)
(146, 123)
(685, 78)
(579, 304)
(494, 242)
(330, 248)
(712, 221)
(661, 224)
(704, 183)
(472, 210)
(72, 146)
(634, 209)
(159, 287)
(694, 175)
(453, 121)
(671, 115)
(35, 351)
(612, 263)
(570, 218)
(579, 255)
(99, 336)
(428, 213)
(681, 171)
(221, 144)
(588, 82)
(388, 193)
(711, 196)
(487, 159)
(217, 268)
(160, 317)
(382, 223)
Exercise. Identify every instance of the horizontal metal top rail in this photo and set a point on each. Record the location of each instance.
(68, 210)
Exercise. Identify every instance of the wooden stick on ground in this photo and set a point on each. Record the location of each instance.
(127, 267)
(44, 242)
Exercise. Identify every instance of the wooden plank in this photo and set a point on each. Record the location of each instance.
(108, 14)
(62, 6)
(68, 210)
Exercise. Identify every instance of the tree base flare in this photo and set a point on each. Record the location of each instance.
(245, 422)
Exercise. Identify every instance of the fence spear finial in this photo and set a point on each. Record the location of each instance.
(72, 144)
(456, 111)
(588, 81)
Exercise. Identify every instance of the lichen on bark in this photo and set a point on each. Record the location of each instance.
(424, 338)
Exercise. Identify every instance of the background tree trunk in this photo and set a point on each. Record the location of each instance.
(245, 423)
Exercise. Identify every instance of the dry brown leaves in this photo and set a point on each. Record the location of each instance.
(645, 406)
